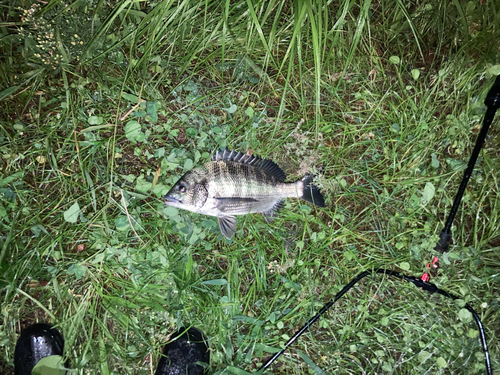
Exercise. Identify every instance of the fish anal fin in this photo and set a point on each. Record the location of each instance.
(227, 225)
(269, 215)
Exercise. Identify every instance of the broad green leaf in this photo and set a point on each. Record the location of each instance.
(189, 265)
(3, 211)
(208, 223)
(72, 213)
(192, 240)
(429, 191)
(163, 260)
(441, 362)
(305, 209)
(130, 97)
(232, 109)
(405, 266)
(170, 211)
(79, 270)
(494, 70)
(190, 86)
(249, 112)
(133, 131)
(472, 333)
(121, 223)
(142, 185)
(188, 164)
(160, 152)
(395, 60)
(272, 317)
(456, 165)
(98, 258)
(387, 367)
(197, 156)
(465, 315)
(95, 120)
(129, 177)
(423, 356)
(38, 229)
(152, 110)
(160, 190)
(415, 73)
(435, 161)
(51, 365)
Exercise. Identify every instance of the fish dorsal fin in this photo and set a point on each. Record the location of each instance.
(243, 158)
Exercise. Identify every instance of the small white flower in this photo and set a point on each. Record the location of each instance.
(484, 305)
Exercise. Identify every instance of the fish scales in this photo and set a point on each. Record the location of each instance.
(235, 184)
(229, 179)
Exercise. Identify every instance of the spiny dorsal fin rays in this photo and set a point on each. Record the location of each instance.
(272, 168)
(243, 158)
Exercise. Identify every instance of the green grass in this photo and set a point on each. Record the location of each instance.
(108, 104)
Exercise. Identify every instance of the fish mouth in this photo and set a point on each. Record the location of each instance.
(171, 200)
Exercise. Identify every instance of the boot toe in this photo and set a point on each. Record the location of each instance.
(36, 342)
(181, 355)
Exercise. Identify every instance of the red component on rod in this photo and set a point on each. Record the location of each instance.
(432, 267)
(435, 262)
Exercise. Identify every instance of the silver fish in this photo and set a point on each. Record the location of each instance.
(234, 183)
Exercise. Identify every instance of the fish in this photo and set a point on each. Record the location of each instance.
(235, 183)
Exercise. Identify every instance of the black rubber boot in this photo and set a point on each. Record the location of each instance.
(36, 342)
(181, 355)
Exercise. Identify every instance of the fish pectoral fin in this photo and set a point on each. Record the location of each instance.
(227, 225)
(234, 204)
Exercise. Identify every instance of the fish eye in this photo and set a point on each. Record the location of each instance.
(182, 188)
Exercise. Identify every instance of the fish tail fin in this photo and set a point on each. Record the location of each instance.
(310, 192)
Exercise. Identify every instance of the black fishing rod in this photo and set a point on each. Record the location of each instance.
(429, 287)
(492, 102)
